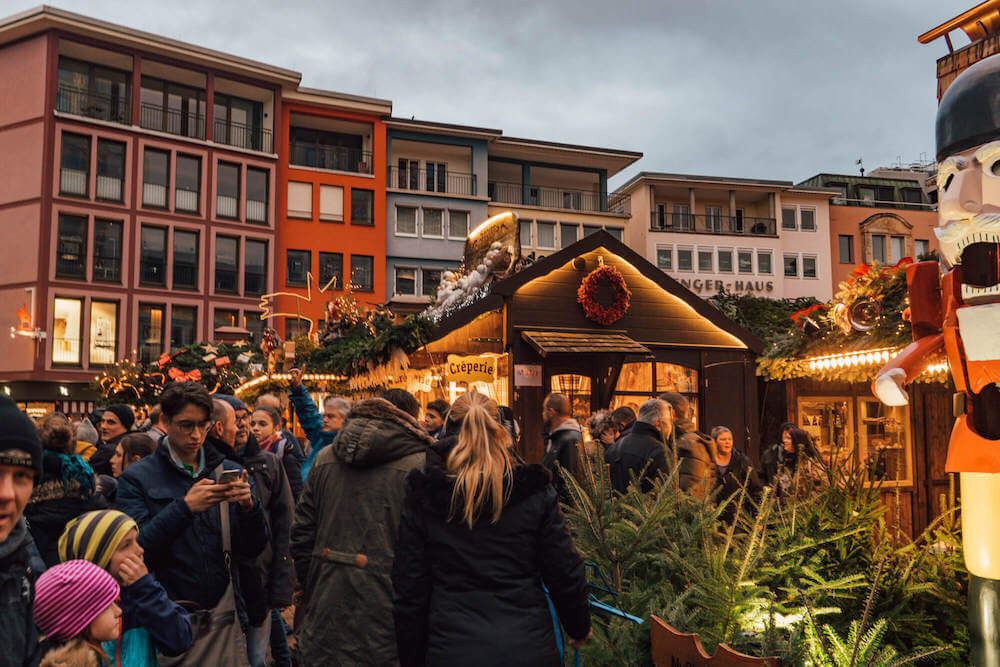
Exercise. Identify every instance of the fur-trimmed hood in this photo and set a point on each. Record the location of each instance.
(432, 487)
(376, 432)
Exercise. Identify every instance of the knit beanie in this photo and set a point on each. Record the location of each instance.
(19, 441)
(69, 596)
(233, 401)
(124, 414)
(95, 536)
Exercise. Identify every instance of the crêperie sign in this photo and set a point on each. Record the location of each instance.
(479, 368)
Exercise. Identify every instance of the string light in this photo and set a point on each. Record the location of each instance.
(307, 377)
(865, 358)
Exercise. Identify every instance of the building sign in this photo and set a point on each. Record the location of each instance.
(504, 228)
(471, 369)
(711, 285)
(527, 375)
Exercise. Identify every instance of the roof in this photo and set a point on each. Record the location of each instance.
(979, 22)
(612, 160)
(334, 98)
(434, 127)
(856, 178)
(43, 17)
(553, 342)
(720, 180)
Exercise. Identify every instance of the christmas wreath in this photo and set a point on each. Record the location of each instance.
(600, 282)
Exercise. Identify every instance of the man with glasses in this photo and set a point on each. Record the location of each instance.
(175, 498)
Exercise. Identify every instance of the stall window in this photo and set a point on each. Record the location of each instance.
(577, 388)
(828, 421)
(103, 332)
(680, 380)
(66, 330)
(640, 381)
(884, 441)
(636, 378)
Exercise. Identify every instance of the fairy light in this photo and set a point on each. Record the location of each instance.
(865, 358)
(307, 377)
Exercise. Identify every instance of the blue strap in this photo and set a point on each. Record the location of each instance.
(597, 604)
(555, 624)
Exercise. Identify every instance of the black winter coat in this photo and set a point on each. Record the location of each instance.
(100, 461)
(475, 597)
(18, 634)
(640, 454)
(731, 483)
(562, 450)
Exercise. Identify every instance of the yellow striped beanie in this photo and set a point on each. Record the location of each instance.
(95, 536)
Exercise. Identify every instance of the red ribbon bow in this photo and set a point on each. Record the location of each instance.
(861, 270)
(180, 376)
(903, 263)
(805, 312)
(165, 359)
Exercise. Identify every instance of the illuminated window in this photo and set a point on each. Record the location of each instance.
(151, 323)
(103, 332)
(66, 331)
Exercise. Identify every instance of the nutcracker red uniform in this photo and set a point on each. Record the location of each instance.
(957, 315)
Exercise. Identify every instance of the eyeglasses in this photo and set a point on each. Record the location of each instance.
(187, 427)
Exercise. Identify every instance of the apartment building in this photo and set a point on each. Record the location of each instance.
(332, 205)
(750, 236)
(137, 201)
(882, 218)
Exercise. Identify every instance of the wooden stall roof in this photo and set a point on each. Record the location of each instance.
(549, 342)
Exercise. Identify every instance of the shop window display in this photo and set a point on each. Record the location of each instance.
(884, 435)
(828, 421)
(640, 381)
(577, 388)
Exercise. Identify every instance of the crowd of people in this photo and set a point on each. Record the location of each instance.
(210, 534)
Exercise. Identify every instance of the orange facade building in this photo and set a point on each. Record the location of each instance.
(331, 205)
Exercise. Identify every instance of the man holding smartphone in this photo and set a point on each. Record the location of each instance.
(175, 494)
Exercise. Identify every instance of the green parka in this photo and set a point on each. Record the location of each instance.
(344, 536)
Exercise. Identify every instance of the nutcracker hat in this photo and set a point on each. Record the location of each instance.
(969, 112)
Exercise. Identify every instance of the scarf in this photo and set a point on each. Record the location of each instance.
(268, 443)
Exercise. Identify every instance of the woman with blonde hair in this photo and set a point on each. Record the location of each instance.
(479, 536)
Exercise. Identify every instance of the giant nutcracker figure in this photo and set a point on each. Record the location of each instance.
(957, 314)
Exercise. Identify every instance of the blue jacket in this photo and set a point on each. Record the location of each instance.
(184, 549)
(312, 424)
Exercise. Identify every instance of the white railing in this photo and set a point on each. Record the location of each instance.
(109, 187)
(227, 207)
(73, 182)
(186, 200)
(154, 195)
(256, 211)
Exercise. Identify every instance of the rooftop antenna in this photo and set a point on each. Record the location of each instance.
(860, 163)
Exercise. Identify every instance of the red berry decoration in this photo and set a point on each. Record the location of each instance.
(600, 280)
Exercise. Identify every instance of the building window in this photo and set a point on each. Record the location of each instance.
(110, 170)
(685, 259)
(878, 248)
(187, 191)
(300, 200)
(93, 91)
(153, 256)
(429, 281)
(845, 246)
(406, 281)
(406, 221)
(253, 324)
(103, 332)
(155, 179)
(224, 318)
(408, 173)
(151, 322)
(172, 108)
(66, 329)
(665, 258)
(331, 270)
(227, 262)
(362, 207)
(616, 232)
(227, 201)
(808, 266)
(74, 173)
(257, 190)
(255, 268)
(590, 229)
(298, 264)
(525, 227)
(107, 251)
(568, 234)
(866, 193)
(458, 224)
(183, 323)
(295, 327)
(807, 218)
(791, 263)
(71, 247)
(436, 177)
(744, 259)
(331, 203)
(897, 246)
(238, 123)
(681, 217)
(713, 218)
(363, 273)
(329, 150)
(546, 235)
(788, 218)
(705, 260)
(433, 223)
(921, 247)
(764, 262)
(725, 260)
(185, 259)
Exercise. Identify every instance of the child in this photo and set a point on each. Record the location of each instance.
(265, 424)
(75, 609)
(150, 620)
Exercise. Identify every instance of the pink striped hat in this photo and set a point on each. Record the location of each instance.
(69, 596)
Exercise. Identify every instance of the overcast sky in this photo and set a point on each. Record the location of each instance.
(751, 88)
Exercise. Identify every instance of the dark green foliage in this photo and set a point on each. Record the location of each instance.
(765, 318)
(368, 344)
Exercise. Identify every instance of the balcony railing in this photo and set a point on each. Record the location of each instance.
(242, 136)
(186, 200)
(109, 188)
(72, 182)
(711, 224)
(872, 203)
(227, 207)
(620, 204)
(433, 180)
(171, 121)
(331, 157)
(547, 197)
(81, 102)
(154, 194)
(256, 211)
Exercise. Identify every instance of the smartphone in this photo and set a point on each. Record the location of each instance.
(229, 476)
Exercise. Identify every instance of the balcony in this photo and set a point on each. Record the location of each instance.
(242, 136)
(336, 158)
(621, 204)
(81, 102)
(547, 197)
(171, 121)
(432, 180)
(712, 224)
(872, 203)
